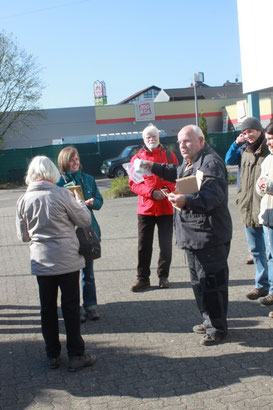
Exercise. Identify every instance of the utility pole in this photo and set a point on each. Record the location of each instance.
(198, 78)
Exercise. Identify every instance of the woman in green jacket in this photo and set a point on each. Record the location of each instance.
(70, 167)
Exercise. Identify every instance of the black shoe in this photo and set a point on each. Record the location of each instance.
(92, 313)
(77, 363)
(164, 283)
(82, 315)
(54, 362)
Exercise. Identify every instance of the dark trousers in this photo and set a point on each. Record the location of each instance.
(146, 226)
(70, 302)
(209, 278)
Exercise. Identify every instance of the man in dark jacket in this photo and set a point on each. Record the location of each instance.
(203, 228)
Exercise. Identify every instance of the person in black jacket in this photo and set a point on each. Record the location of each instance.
(203, 229)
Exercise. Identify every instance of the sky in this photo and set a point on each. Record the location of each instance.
(130, 45)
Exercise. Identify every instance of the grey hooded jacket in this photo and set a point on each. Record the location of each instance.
(46, 217)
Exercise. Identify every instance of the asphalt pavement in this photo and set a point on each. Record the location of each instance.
(148, 356)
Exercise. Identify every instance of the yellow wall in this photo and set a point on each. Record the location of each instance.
(266, 110)
(123, 111)
(266, 106)
(115, 111)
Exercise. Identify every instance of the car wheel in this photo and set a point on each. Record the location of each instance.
(120, 172)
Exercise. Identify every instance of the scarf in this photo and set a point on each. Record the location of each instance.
(255, 145)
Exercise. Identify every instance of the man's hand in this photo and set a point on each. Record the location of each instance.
(178, 200)
(158, 195)
(147, 164)
(240, 139)
(262, 184)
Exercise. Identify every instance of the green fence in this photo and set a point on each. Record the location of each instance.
(221, 142)
(14, 163)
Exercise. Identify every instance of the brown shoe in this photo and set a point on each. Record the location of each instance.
(164, 283)
(267, 301)
(256, 294)
(210, 340)
(140, 285)
(250, 260)
(77, 363)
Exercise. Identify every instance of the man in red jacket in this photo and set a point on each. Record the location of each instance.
(153, 209)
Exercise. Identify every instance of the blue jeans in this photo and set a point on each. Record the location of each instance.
(268, 237)
(256, 245)
(88, 285)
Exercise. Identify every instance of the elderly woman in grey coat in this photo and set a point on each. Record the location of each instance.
(46, 218)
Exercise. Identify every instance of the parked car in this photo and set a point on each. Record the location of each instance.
(112, 167)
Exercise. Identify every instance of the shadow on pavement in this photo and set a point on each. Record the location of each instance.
(127, 372)
(176, 316)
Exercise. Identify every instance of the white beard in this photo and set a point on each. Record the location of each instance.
(152, 145)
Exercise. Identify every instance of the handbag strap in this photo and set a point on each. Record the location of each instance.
(85, 233)
(65, 180)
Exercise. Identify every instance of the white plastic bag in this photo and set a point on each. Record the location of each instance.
(132, 174)
(133, 171)
(138, 168)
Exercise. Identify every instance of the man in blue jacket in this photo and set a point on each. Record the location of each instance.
(234, 157)
(203, 229)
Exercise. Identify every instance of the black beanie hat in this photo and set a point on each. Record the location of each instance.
(251, 123)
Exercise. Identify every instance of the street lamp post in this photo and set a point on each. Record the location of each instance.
(198, 78)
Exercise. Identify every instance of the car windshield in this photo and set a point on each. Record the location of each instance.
(125, 152)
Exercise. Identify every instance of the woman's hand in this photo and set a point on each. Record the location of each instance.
(262, 184)
(89, 202)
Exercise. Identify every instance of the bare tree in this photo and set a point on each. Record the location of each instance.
(20, 86)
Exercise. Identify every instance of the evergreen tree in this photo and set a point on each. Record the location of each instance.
(203, 126)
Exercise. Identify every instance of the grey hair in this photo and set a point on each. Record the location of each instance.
(150, 129)
(41, 167)
(197, 130)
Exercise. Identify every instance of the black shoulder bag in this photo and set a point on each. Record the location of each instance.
(89, 243)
